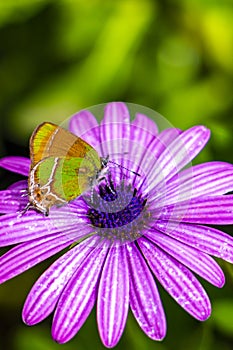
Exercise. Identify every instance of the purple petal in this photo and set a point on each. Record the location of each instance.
(12, 201)
(78, 297)
(198, 262)
(15, 198)
(178, 154)
(113, 297)
(114, 130)
(147, 157)
(206, 239)
(197, 170)
(20, 186)
(84, 125)
(211, 183)
(142, 132)
(144, 297)
(17, 228)
(166, 137)
(26, 255)
(216, 210)
(143, 129)
(44, 295)
(19, 165)
(178, 281)
(157, 147)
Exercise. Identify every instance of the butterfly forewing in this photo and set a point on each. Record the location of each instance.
(50, 140)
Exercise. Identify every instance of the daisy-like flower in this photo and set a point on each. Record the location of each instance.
(145, 223)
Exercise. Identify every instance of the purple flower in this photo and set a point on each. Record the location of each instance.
(134, 232)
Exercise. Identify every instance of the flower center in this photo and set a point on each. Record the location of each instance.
(118, 213)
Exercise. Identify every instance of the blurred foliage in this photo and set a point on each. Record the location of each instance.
(174, 56)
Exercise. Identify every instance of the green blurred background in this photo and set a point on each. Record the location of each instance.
(59, 56)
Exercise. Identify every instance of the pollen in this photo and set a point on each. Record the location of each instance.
(118, 213)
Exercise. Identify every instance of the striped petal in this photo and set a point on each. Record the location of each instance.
(214, 182)
(114, 129)
(194, 259)
(178, 154)
(145, 301)
(84, 125)
(78, 297)
(152, 152)
(17, 228)
(142, 132)
(43, 297)
(26, 255)
(21, 228)
(113, 296)
(177, 280)
(12, 201)
(215, 210)
(206, 239)
(20, 186)
(143, 129)
(198, 170)
(19, 165)
(166, 137)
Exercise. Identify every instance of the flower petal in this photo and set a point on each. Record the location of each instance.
(178, 154)
(84, 125)
(113, 296)
(144, 297)
(20, 186)
(148, 158)
(19, 165)
(20, 228)
(142, 132)
(26, 255)
(44, 295)
(16, 228)
(211, 183)
(114, 129)
(166, 137)
(78, 297)
(198, 170)
(206, 239)
(143, 129)
(198, 262)
(178, 281)
(216, 210)
(12, 201)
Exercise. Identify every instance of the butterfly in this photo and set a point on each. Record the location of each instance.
(63, 166)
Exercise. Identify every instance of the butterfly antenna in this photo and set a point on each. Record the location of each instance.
(121, 166)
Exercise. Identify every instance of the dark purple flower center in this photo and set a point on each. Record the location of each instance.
(118, 212)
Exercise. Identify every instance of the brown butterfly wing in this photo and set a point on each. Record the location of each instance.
(50, 140)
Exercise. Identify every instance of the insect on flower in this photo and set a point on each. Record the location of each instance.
(136, 231)
(63, 166)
